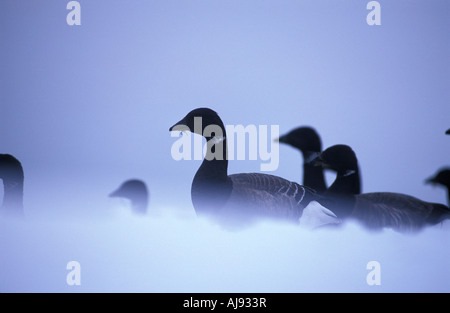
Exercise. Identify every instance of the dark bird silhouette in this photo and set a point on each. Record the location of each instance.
(137, 192)
(441, 178)
(239, 199)
(374, 210)
(447, 132)
(307, 140)
(11, 172)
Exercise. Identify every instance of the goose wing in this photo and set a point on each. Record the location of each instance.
(392, 210)
(270, 195)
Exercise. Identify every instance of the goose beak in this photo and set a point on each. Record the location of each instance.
(282, 139)
(180, 126)
(114, 194)
(431, 181)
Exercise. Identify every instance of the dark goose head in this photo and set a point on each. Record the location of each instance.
(201, 121)
(441, 178)
(136, 191)
(307, 140)
(341, 159)
(11, 172)
(447, 132)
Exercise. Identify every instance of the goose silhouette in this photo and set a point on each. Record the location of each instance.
(377, 210)
(137, 192)
(238, 199)
(308, 142)
(11, 172)
(441, 178)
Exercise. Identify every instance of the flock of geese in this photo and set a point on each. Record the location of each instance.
(238, 200)
(243, 198)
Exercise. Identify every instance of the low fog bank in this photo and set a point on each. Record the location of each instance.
(169, 253)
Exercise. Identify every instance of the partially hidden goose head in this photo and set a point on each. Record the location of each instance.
(201, 121)
(11, 172)
(308, 142)
(441, 178)
(341, 159)
(136, 191)
(447, 132)
(238, 199)
(306, 139)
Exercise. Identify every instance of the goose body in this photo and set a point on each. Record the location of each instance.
(239, 198)
(11, 172)
(270, 195)
(136, 191)
(308, 142)
(400, 212)
(375, 210)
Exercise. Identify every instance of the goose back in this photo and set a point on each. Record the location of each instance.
(400, 212)
(375, 210)
(270, 196)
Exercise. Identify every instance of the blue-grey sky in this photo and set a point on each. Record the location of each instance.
(87, 107)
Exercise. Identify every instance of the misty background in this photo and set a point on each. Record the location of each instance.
(86, 107)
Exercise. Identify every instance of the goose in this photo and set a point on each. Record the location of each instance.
(136, 191)
(307, 140)
(402, 213)
(11, 172)
(238, 199)
(441, 178)
(447, 132)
